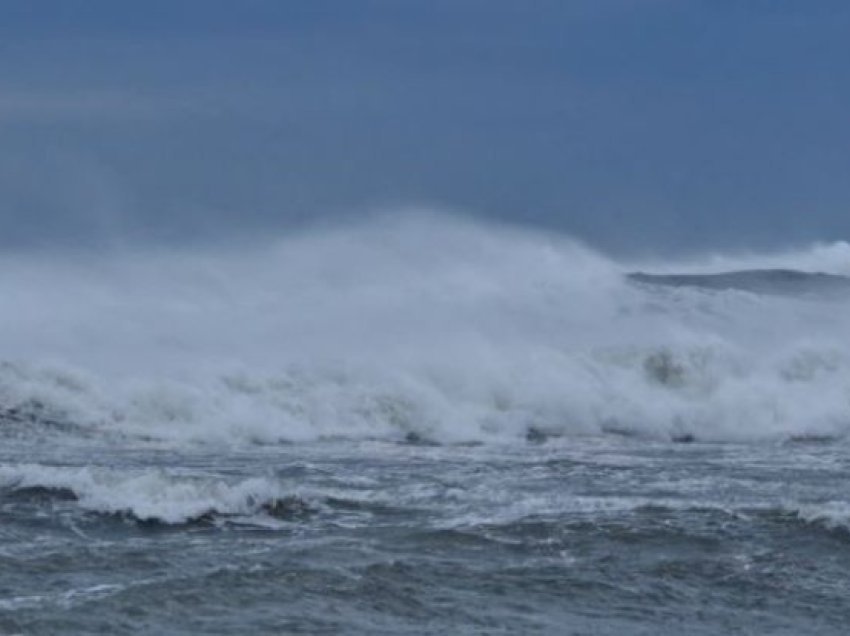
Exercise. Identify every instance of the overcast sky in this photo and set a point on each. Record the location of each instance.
(633, 124)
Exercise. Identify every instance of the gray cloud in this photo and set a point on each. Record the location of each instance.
(636, 125)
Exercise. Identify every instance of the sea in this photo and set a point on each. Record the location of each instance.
(424, 425)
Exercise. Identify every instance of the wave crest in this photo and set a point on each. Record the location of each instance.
(150, 496)
(425, 329)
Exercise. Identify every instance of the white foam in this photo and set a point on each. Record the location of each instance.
(449, 330)
(147, 494)
(833, 515)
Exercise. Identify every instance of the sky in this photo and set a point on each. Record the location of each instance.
(630, 124)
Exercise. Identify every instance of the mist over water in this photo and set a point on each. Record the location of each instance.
(424, 325)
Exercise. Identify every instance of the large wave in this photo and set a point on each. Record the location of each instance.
(424, 328)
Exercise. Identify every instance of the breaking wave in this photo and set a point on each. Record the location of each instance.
(171, 497)
(830, 515)
(424, 329)
(151, 495)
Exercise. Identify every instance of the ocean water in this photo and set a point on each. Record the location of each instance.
(423, 426)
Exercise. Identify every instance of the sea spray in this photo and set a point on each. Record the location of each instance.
(423, 327)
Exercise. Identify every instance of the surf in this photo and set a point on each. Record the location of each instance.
(426, 329)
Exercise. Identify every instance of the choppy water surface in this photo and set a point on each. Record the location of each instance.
(592, 536)
(424, 427)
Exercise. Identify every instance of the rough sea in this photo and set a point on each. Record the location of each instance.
(424, 426)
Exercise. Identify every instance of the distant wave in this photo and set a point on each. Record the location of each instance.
(760, 281)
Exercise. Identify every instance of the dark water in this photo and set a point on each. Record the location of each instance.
(599, 535)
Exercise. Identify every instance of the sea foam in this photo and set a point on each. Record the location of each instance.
(423, 328)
